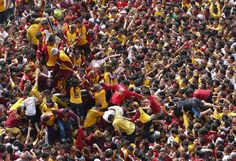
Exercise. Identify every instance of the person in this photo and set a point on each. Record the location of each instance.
(120, 93)
(122, 124)
(64, 65)
(48, 121)
(100, 96)
(49, 106)
(76, 99)
(143, 117)
(63, 118)
(94, 116)
(82, 42)
(30, 110)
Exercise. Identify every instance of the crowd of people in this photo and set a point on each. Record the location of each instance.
(128, 80)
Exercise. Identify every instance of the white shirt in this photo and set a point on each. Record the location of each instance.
(29, 103)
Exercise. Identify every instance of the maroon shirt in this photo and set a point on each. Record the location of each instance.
(60, 116)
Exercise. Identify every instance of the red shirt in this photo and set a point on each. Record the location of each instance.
(120, 4)
(11, 121)
(121, 93)
(80, 136)
(154, 105)
(202, 94)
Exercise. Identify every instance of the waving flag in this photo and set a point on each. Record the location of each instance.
(5, 4)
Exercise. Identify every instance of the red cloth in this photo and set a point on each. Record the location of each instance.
(154, 105)
(202, 94)
(120, 94)
(136, 116)
(11, 121)
(80, 136)
(120, 4)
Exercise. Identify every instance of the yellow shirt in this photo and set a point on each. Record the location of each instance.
(100, 98)
(75, 95)
(31, 33)
(122, 124)
(122, 39)
(82, 36)
(50, 122)
(70, 37)
(144, 117)
(64, 58)
(2, 6)
(51, 62)
(92, 117)
(107, 79)
(54, 99)
(45, 108)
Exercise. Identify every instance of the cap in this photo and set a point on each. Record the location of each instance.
(91, 20)
(57, 13)
(54, 51)
(123, 12)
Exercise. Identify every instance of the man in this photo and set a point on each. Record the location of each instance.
(143, 117)
(50, 59)
(122, 124)
(93, 117)
(13, 121)
(64, 65)
(194, 106)
(100, 96)
(49, 106)
(48, 121)
(83, 43)
(153, 103)
(63, 117)
(30, 109)
(121, 92)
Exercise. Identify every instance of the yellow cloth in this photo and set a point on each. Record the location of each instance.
(31, 33)
(215, 15)
(100, 98)
(2, 5)
(185, 118)
(144, 117)
(147, 83)
(45, 108)
(70, 37)
(51, 62)
(82, 36)
(75, 95)
(122, 39)
(107, 79)
(191, 147)
(92, 117)
(13, 130)
(64, 58)
(177, 140)
(54, 99)
(17, 104)
(122, 124)
(94, 80)
(34, 92)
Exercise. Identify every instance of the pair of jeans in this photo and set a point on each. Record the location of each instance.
(51, 135)
(78, 109)
(64, 128)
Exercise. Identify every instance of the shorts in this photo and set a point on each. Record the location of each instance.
(13, 130)
(33, 119)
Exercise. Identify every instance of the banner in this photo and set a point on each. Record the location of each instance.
(5, 4)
